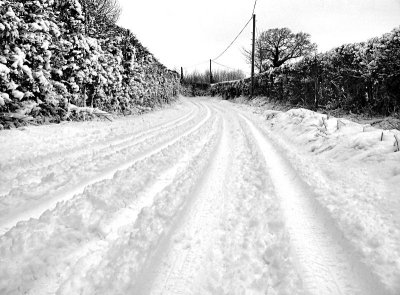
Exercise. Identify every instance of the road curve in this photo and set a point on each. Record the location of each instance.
(197, 201)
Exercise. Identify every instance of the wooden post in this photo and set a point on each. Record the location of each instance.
(252, 55)
(181, 74)
(211, 79)
(316, 94)
(316, 84)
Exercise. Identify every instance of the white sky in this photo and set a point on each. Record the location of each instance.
(186, 32)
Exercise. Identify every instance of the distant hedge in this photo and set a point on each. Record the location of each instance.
(361, 77)
(48, 62)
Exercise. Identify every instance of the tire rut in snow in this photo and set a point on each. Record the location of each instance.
(87, 258)
(82, 217)
(183, 252)
(125, 261)
(50, 159)
(251, 252)
(36, 165)
(323, 263)
(115, 131)
(75, 174)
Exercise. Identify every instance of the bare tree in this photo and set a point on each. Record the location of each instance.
(259, 57)
(100, 13)
(274, 47)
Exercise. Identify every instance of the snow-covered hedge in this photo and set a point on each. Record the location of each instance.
(47, 62)
(358, 77)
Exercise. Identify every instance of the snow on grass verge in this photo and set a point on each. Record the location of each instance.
(355, 172)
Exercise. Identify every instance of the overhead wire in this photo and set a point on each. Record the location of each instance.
(234, 39)
(224, 65)
(229, 46)
(197, 64)
(254, 9)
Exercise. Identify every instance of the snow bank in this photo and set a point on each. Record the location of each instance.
(355, 170)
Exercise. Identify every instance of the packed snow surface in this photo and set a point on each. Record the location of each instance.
(203, 197)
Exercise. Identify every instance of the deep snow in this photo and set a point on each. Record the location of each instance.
(205, 197)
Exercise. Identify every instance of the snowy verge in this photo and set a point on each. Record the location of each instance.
(262, 103)
(355, 172)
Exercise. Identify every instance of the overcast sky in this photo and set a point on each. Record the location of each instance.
(186, 32)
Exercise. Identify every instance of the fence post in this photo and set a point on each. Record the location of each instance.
(181, 74)
(211, 78)
(316, 84)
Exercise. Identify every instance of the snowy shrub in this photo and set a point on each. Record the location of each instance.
(360, 77)
(47, 56)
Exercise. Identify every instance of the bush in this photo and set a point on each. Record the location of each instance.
(46, 58)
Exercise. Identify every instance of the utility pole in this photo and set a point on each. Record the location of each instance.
(211, 79)
(252, 54)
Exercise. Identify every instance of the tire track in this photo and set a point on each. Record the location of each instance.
(251, 254)
(28, 173)
(125, 263)
(189, 207)
(195, 231)
(159, 155)
(89, 255)
(45, 155)
(67, 192)
(324, 264)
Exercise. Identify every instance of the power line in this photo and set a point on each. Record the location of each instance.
(197, 64)
(224, 65)
(223, 52)
(254, 8)
(234, 39)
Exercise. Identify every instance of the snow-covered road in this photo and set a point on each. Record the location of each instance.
(198, 198)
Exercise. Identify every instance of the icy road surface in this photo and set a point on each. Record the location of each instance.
(201, 198)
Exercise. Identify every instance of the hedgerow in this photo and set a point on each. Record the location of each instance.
(360, 77)
(48, 63)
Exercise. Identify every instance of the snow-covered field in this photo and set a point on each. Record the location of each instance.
(205, 197)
